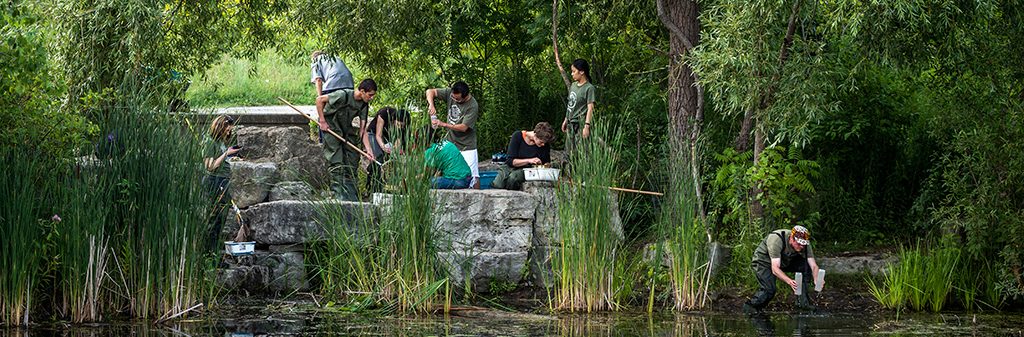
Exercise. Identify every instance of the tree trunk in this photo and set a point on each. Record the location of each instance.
(682, 94)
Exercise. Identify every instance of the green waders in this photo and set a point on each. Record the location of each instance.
(509, 178)
(342, 161)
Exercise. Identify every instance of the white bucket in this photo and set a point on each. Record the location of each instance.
(239, 248)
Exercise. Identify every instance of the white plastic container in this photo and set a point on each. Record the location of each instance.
(820, 281)
(239, 248)
(799, 283)
(541, 174)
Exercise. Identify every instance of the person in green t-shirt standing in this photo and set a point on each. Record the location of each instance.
(218, 174)
(337, 111)
(783, 250)
(579, 109)
(463, 112)
(451, 170)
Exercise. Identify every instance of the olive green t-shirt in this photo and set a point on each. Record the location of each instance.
(461, 113)
(446, 158)
(772, 247)
(579, 97)
(213, 150)
(342, 107)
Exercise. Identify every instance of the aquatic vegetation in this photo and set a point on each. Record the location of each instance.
(390, 265)
(585, 262)
(684, 237)
(922, 280)
(21, 182)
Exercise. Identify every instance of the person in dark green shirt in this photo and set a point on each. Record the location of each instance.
(463, 111)
(218, 174)
(579, 110)
(783, 250)
(337, 111)
(451, 170)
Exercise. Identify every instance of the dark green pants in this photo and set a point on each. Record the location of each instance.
(509, 178)
(342, 163)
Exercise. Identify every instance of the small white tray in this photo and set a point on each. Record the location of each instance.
(239, 248)
(541, 174)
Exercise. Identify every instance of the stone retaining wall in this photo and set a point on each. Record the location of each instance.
(486, 237)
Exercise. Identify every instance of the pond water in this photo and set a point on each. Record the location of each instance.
(284, 321)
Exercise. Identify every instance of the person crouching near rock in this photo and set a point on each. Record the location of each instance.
(525, 149)
(783, 250)
(219, 146)
(449, 168)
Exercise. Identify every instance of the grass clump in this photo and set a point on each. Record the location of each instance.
(684, 236)
(923, 280)
(22, 183)
(391, 264)
(585, 261)
(241, 82)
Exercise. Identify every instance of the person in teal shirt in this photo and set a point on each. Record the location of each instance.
(451, 170)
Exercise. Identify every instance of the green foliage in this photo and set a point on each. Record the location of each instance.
(27, 87)
(783, 177)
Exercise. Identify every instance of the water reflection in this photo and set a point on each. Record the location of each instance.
(496, 323)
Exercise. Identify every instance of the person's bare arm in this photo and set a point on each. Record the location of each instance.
(321, 101)
(378, 134)
(814, 269)
(456, 127)
(366, 140)
(319, 86)
(777, 271)
(586, 122)
(213, 163)
(526, 161)
(431, 93)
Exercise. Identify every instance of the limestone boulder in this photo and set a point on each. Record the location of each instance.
(291, 190)
(484, 236)
(874, 264)
(265, 272)
(545, 232)
(286, 222)
(251, 182)
(298, 157)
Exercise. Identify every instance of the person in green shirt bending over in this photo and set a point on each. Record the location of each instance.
(218, 173)
(783, 250)
(337, 111)
(463, 112)
(451, 170)
(579, 109)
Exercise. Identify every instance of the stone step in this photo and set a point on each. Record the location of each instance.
(287, 222)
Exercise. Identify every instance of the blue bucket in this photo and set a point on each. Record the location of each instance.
(486, 177)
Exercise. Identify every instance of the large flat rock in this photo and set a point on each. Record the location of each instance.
(285, 222)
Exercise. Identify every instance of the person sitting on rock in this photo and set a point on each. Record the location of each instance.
(525, 149)
(783, 250)
(449, 168)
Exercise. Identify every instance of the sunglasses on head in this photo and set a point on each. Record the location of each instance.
(229, 119)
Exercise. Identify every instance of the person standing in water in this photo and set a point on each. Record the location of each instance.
(579, 111)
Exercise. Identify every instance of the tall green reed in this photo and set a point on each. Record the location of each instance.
(390, 264)
(682, 234)
(137, 227)
(923, 279)
(585, 261)
(22, 184)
